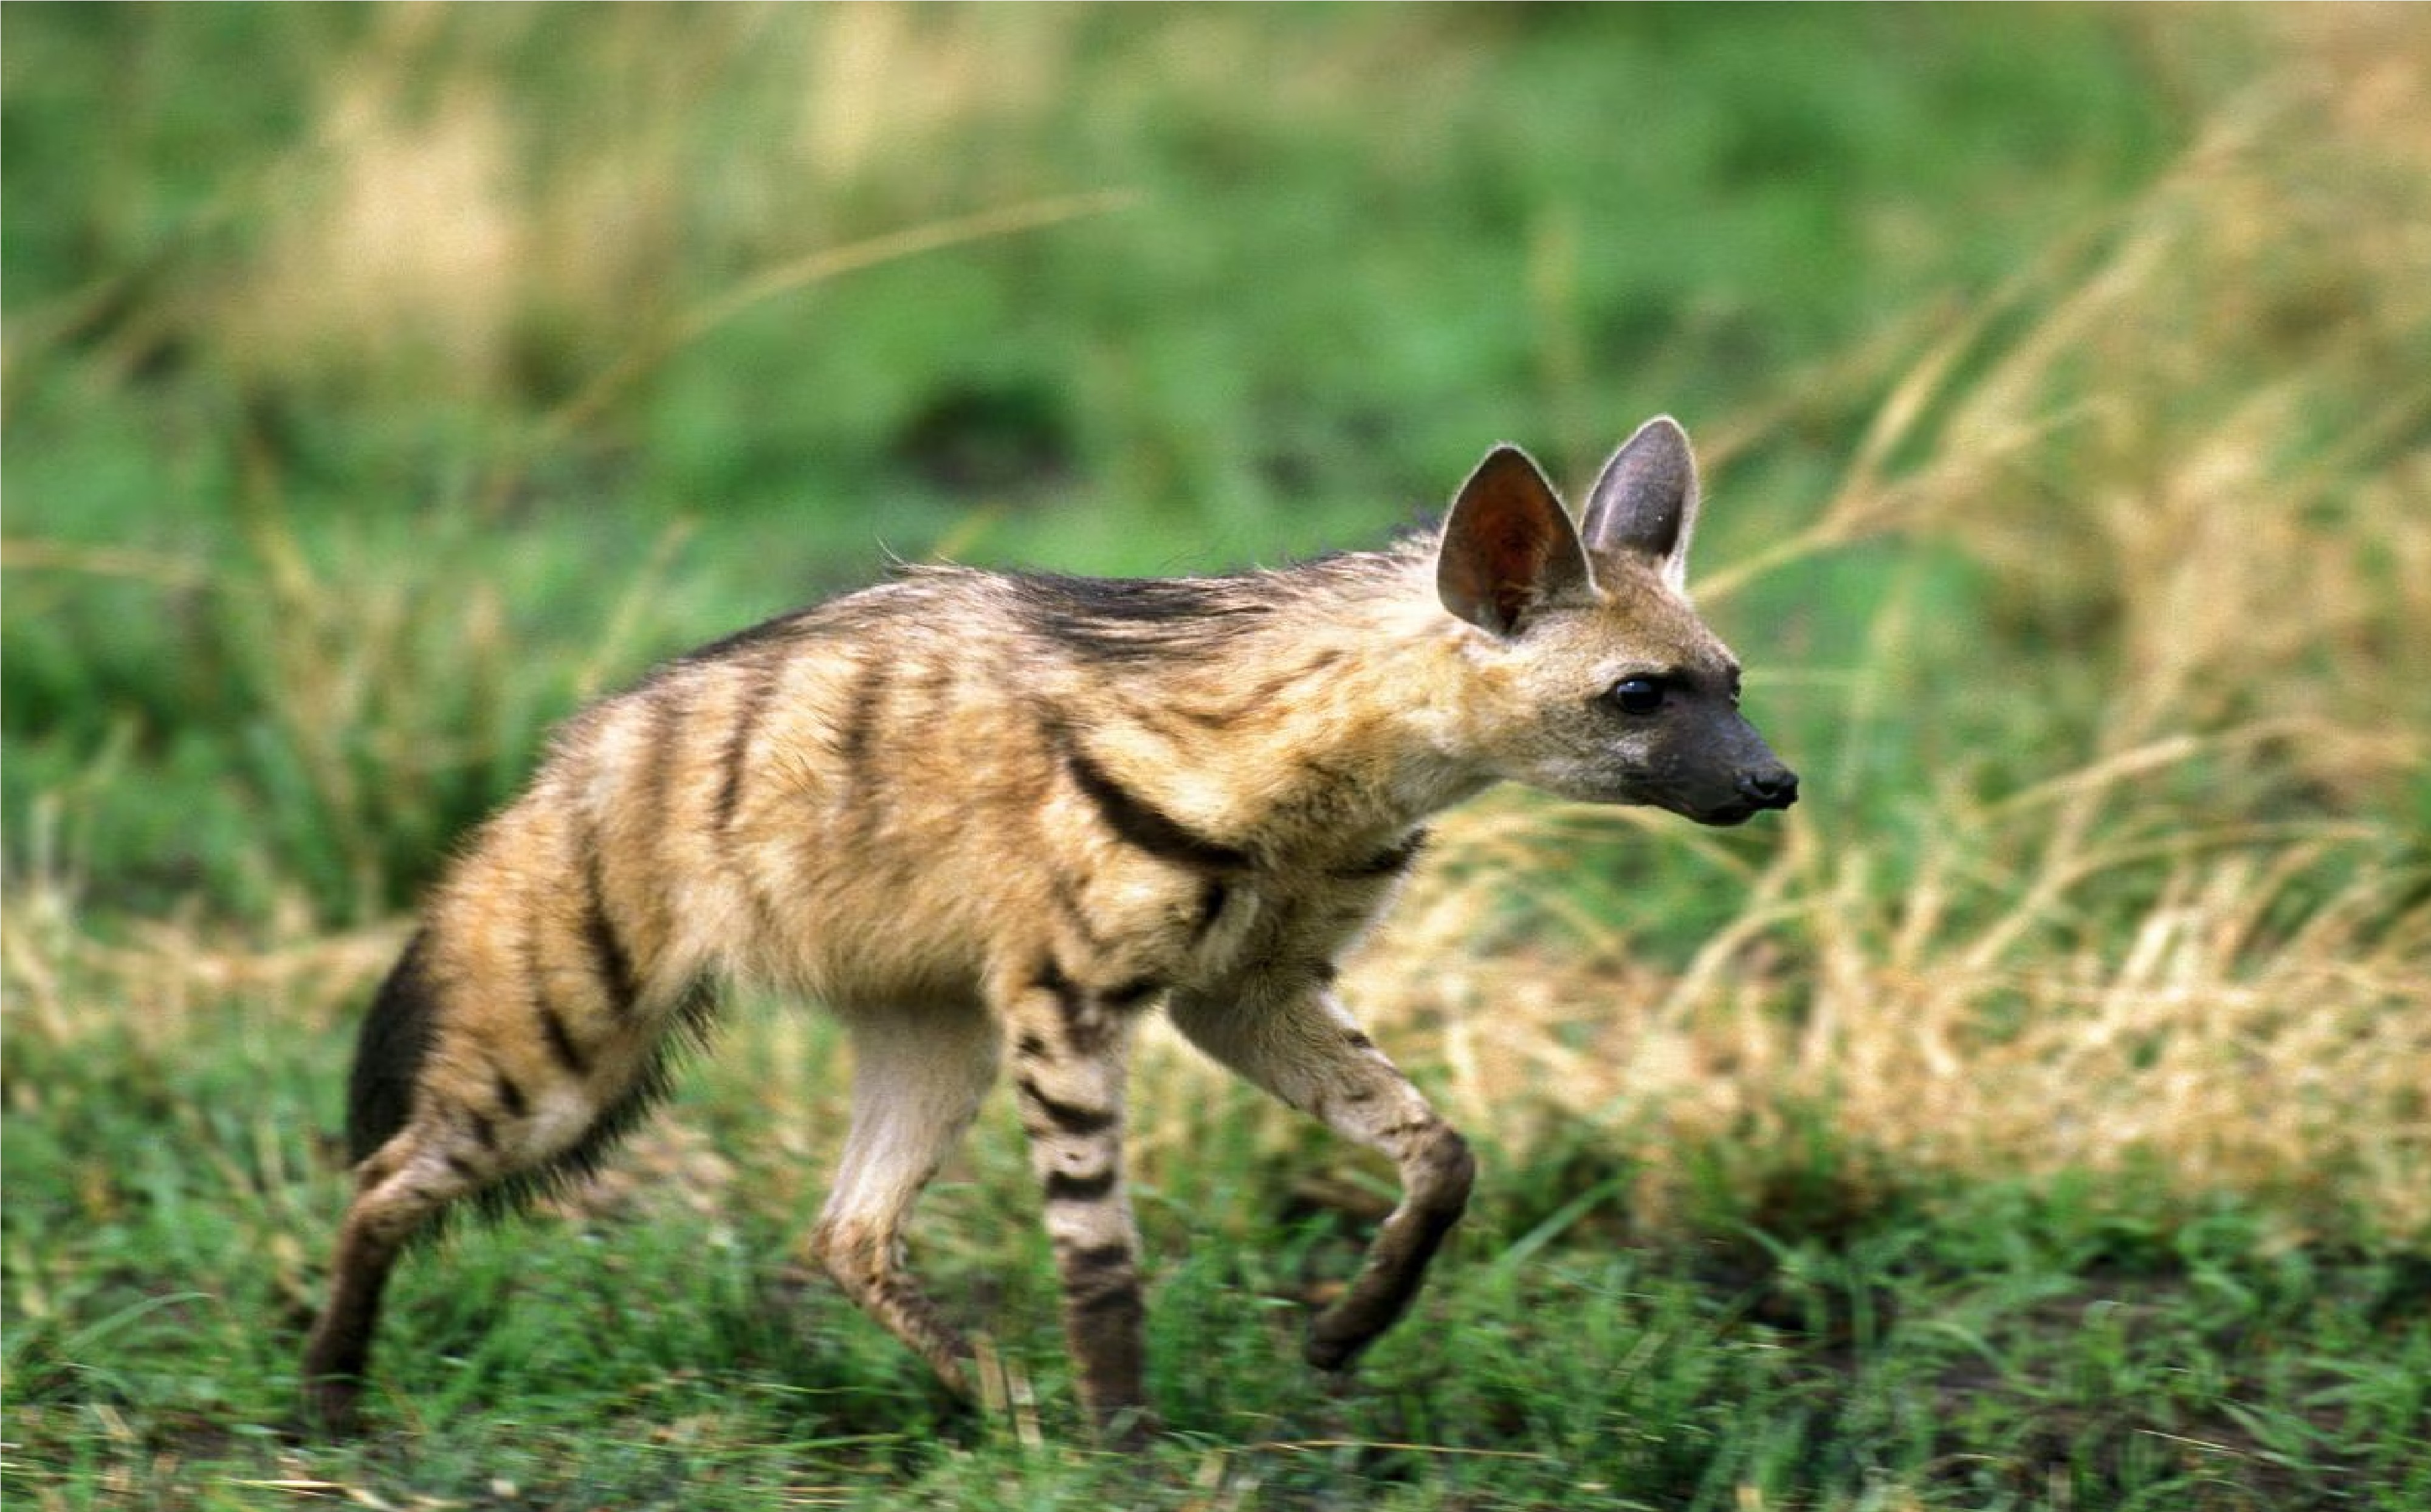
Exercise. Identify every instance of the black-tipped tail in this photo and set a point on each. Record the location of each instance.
(395, 1040)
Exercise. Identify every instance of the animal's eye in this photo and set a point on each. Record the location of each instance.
(1637, 695)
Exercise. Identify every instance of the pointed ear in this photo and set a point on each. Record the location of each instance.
(1509, 547)
(1646, 502)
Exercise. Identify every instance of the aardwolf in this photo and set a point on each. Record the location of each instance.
(988, 816)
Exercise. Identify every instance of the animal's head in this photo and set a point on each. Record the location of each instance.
(1592, 675)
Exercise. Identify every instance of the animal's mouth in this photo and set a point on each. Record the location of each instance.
(1730, 815)
(1734, 813)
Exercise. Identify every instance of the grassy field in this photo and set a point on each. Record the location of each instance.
(2038, 1115)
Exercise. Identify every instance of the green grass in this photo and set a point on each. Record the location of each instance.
(1956, 1346)
(2034, 1118)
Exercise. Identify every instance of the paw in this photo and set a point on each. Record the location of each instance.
(1130, 1431)
(333, 1408)
(1332, 1343)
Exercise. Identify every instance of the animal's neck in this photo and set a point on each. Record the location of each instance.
(1320, 728)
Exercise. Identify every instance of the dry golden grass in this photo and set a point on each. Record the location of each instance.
(2201, 429)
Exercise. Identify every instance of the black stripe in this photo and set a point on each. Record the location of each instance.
(936, 688)
(865, 791)
(461, 1167)
(1389, 862)
(1212, 899)
(1204, 718)
(485, 1133)
(1069, 999)
(611, 961)
(860, 720)
(1099, 1259)
(560, 1042)
(1139, 823)
(1279, 686)
(1086, 1025)
(1282, 684)
(536, 979)
(511, 1097)
(737, 740)
(1061, 1187)
(1131, 994)
(1119, 1298)
(668, 702)
(671, 713)
(1064, 1116)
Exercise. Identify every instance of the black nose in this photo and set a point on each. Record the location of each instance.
(1775, 789)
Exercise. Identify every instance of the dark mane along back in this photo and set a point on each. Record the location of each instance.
(1121, 619)
(1117, 619)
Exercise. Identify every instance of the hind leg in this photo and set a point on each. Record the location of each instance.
(918, 1076)
(510, 1131)
(396, 1192)
(491, 1112)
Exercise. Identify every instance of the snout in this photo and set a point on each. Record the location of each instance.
(1752, 790)
(1773, 787)
(1717, 770)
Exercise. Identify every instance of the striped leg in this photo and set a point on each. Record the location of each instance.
(1301, 1046)
(1071, 1051)
(919, 1073)
(444, 1107)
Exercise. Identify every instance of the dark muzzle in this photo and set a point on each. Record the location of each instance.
(1772, 788)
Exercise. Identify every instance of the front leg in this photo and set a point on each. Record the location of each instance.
(1299, 1044)
(1070, 1054)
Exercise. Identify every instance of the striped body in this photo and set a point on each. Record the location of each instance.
(988, 817)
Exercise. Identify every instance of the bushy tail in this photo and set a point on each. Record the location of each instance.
(395, 1039)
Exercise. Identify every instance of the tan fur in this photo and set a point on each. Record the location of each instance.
(988, 818)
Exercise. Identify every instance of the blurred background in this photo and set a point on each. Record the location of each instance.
(379, 383)
(382, 381)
